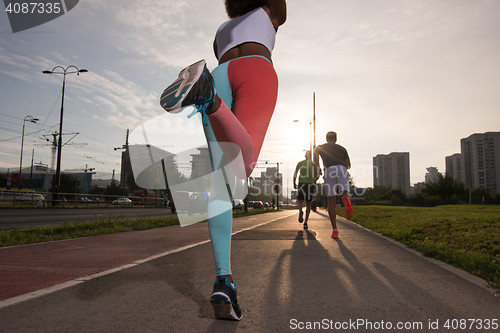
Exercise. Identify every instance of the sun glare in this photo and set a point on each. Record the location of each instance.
(299, 135)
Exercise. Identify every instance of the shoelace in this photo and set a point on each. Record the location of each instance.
(203, 107)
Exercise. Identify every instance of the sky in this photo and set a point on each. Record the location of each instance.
(388, 76)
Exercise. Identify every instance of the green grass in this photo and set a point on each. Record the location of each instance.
(465, 236)
(100, 226)
(113, 223)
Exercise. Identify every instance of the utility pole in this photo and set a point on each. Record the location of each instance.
(31, 172)
(314, 121)
(277, 181)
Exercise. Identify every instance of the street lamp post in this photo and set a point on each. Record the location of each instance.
(32, 120)
(310, 131)
(314, 120)
(62, 71)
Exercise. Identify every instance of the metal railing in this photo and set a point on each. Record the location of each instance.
(31, 199)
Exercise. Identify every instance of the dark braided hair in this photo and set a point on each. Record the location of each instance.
(236, 8)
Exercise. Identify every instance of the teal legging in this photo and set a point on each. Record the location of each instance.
(219, 226)
(255, 85)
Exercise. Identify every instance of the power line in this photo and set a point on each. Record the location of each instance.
(8, 115)
(17, 137)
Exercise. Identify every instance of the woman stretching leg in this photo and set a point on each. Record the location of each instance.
(238, 113)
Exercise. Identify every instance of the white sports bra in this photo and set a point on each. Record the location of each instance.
(254, 26)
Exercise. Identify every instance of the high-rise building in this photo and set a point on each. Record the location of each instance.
(200, 163)
(481, 161)
(126, 167)
(392, 171)
(268, 179)
(432, 175)
(454, 166)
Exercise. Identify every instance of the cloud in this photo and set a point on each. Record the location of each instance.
(120, 101)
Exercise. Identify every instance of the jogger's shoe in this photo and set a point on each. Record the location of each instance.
(301, 218)
(224, 300)
(335, 234)
(194, 86)
(305, 226)
(347, 206)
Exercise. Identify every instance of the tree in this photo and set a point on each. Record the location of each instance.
(445, 187)
(395, 196)
(376, 192)
(482, 195)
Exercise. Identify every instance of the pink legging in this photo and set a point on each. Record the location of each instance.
(254, 88)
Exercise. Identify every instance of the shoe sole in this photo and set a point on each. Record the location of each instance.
(223, 307)
(172, 97)
(301, 219)
(347, 207)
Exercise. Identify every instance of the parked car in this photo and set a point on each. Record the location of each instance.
(238, 204)
(198, 203)
(122, 201)
(266, 204)
(258, 204)
(181, 199)
(29, 196)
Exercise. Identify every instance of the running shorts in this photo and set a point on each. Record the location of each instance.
(306, 191)
(336, 180)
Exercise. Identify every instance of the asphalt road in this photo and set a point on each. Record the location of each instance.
(26, 218)
(289, 280)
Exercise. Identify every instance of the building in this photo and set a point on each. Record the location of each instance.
(126, 167)
(39, 178)
(454, 166)
(149, 163)
(432, 175)
(417, 187)
(481, 161)
(392, 171)
(200, 163)
(268, 179)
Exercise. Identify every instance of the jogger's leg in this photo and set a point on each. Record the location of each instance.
(254, 86)
(300, 204)
(332, 205)
(308, 209)
(253, 105)
(219, 225)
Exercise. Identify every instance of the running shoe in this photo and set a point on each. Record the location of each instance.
(194, 86)
(301, 219)
(335, 234)
(305, 226)
(224, 301)
(347, 206)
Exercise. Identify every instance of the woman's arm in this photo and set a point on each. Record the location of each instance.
(277, 12)
(216, 52)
